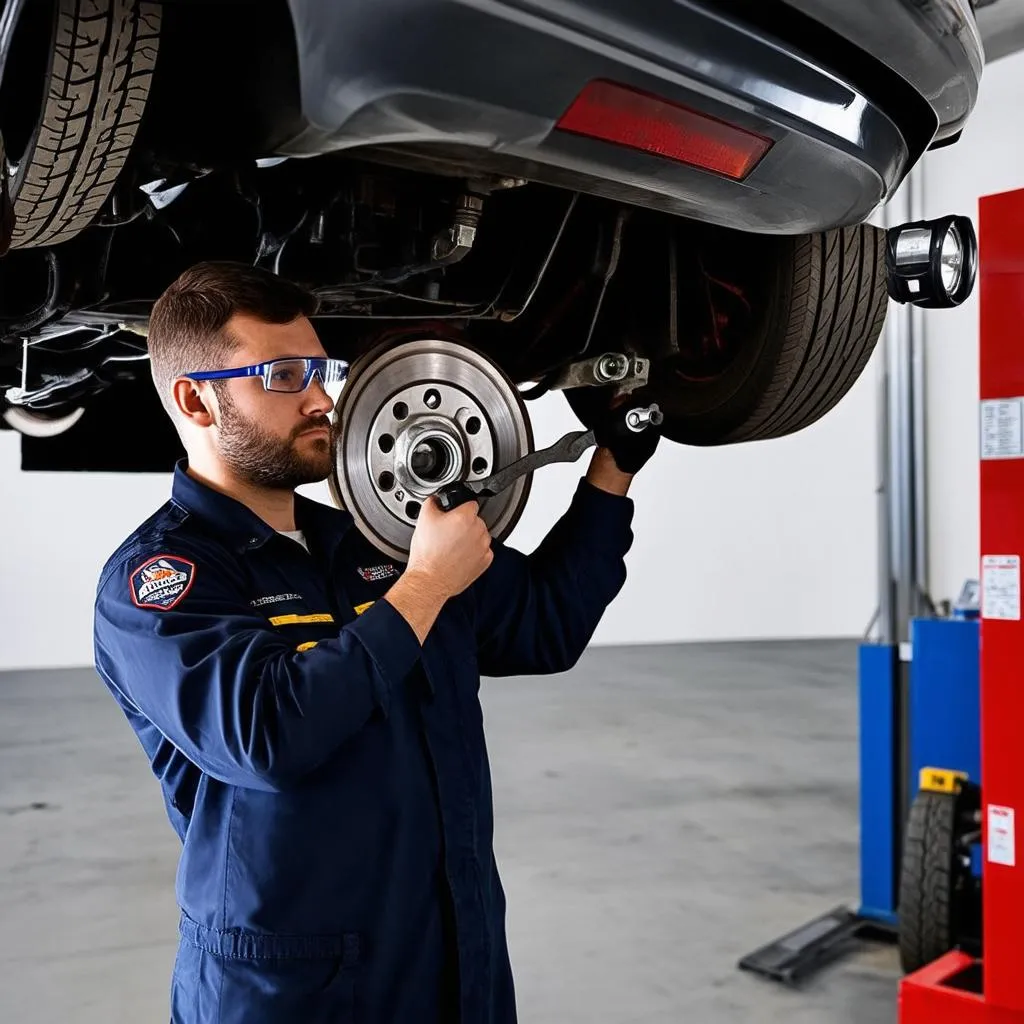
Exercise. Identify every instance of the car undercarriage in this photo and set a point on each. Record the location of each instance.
(651, 245)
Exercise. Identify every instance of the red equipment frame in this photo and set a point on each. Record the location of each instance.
(957, 989)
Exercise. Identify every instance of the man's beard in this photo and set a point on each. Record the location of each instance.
(260, 459)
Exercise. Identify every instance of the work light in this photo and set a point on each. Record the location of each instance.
(932, 263)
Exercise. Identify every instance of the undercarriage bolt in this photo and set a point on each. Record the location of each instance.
(641, 419)
(612, 367)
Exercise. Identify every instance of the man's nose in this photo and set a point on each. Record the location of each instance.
(317, 399)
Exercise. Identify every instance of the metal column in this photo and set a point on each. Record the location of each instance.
(902, 563)
(903, 533)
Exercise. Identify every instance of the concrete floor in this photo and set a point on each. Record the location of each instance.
(660, 812)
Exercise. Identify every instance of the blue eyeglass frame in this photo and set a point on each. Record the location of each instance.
(330, 371)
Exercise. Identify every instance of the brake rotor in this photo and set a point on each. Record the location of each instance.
(414, 417)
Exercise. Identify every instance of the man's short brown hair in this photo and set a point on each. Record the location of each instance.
(187, 325)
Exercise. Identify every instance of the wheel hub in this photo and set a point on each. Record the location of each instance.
(424, 437)
(414, 418)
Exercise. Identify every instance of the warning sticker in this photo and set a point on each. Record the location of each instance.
(1000, 587)
(1001, 429)
(1001, 841)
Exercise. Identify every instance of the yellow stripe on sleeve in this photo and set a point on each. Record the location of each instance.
(296, 620)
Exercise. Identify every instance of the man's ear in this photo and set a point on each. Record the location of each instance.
(193, 405)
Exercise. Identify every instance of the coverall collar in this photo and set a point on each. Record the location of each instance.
(238, 523)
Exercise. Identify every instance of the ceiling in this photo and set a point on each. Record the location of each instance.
(1002, 27)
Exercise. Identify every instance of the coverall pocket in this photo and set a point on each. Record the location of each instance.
(237, 977)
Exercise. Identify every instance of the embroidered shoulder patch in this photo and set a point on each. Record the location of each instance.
(375, 573)
(161, 582)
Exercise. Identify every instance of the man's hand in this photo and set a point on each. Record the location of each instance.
(630, 449)
(449, 550)
(452, 548)
(606, 476)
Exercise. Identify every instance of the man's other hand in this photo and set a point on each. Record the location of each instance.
(452, 548)
(630, 449)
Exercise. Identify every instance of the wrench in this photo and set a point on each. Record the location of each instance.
(566, 449)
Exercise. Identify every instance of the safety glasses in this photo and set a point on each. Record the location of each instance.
(291, 374)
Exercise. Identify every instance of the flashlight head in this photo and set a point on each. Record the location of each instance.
(932, 263)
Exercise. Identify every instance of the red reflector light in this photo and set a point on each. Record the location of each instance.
(638, 120)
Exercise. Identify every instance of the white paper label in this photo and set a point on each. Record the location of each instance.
(1000, 587)
(1001, 841)
(1001, 423)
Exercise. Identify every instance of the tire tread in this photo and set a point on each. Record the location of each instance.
(99, 82)
(838, 300)
(926, 881)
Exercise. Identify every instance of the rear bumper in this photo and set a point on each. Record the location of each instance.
(936, 47)
(470, 86)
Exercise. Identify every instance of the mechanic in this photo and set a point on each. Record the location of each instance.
(310, 707)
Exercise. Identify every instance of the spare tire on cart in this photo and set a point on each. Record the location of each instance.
(939, 897)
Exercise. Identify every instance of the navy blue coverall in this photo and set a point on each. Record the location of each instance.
(327, 777)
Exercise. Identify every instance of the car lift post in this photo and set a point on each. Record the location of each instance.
(958, 989)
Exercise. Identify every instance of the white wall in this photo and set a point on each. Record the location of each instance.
(775, 539)
(56, 531)
(767, 540)
(988, 159)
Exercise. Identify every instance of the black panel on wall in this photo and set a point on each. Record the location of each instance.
(123, 430)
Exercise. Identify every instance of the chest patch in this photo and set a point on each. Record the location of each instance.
(161, 582)
(376, 573)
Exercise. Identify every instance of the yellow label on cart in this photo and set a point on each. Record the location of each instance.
(942, 780)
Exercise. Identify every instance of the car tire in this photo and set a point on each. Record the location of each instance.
(833, 304)
(98, 73)
(927, 875)
(815, 307)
